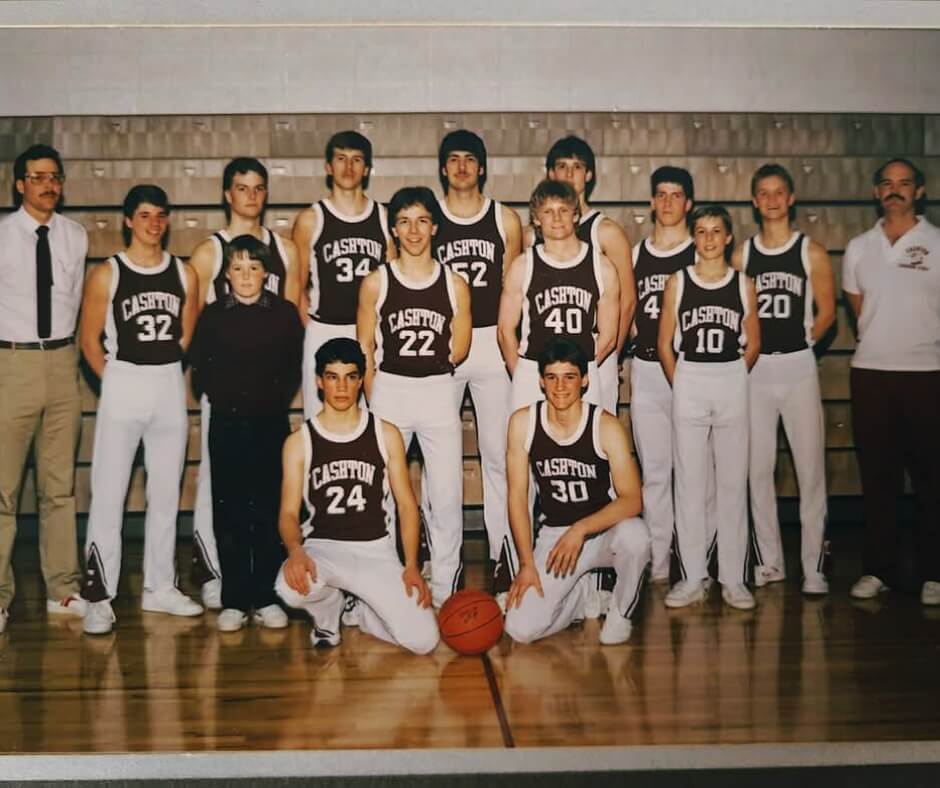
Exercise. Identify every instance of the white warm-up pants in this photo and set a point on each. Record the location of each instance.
(424, 407)
(372, 572)
(787, 386)
(138, 402)
(204, 545)
(314, 336)
(710, 425)
(610, 383)
(624, 547)
(526, 388)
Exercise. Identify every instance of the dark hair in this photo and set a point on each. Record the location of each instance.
(32, 153)
(340, 349)
(257, 250)
(239, 166)
(349, 140)
(412, 195)
(572, 147)
(676, 175)
(139, 194)
(548, 190)
(772, 170)
(461, 140)
(562, 349)
(920, 203)
(717, 212)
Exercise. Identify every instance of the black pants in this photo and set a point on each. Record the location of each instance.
(245, 457)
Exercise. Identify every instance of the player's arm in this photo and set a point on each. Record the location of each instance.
(305, 225)
(608, 312)
(520, 518)
(461, 327)
(628, 502)
(667, 329)
(850, 287)
(299, 568)
(510, 312)
(365, 325)
(824, 289)
(751, 324)
(191, 306)
(737, 258)
(94, 314)
(292, 281)
(202, 261)
(528, 236)
(409, 526)
(512, 226)
(615, 244)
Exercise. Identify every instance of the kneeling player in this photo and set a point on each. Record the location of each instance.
(588, 501)
(341, 463)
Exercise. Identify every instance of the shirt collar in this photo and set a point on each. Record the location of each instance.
(30, 224)
(266, 301)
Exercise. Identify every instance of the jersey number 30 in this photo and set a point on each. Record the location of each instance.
(154, 328)
(575, 491)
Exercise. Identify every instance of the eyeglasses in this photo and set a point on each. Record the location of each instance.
(36, 178)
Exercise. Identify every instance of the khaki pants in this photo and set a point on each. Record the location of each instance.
(40, 400)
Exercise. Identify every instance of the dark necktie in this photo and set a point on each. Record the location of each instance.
(43, 282)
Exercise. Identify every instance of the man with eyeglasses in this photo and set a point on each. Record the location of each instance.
(42, 267)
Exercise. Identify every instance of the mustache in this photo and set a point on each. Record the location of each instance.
(894, 197)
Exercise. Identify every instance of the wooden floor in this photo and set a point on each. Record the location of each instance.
(795, 670)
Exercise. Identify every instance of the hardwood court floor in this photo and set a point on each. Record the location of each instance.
(795, 670)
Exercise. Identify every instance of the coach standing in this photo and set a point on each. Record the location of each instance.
(891, 278)
(42, 266)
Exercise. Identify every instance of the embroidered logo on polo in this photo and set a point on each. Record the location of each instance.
(916, 258)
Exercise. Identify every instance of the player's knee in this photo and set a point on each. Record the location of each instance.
(291, 597)
(421, 639)
(632, 536)
(522, 628)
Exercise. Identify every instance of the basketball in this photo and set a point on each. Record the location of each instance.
(470, 621)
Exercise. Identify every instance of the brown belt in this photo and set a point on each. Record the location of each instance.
(42, 344)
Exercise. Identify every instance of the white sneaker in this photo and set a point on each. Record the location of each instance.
(99, 618)
(324, 637)
(767, 574)
(815, 584)
(616, 630)
(605, 597)
(684, 593)
(738, 596)
(72, 605)
(659, 579)
(350, 616)
(4, 617)
(231, 620)
(930, 593)
(212, 594)
(868, 587)
(170, 600)
(271, 617)
(592, 596)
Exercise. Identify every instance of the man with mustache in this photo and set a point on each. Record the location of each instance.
(891, 279)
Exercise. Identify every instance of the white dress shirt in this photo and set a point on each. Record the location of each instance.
(68, 243)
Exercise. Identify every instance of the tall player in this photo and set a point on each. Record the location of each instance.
(588, 504)
(478, 238)
(709, 319)
(244, 196)
(793, 278)
(342, 464)
(572, 160)
(560, 286)
(145, 303)
(414, 326)
(340, 240)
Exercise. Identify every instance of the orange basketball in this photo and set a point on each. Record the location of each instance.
(470, 621)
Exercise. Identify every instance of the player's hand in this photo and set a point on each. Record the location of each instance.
(412, 579)
(300, 570)
(527, 578)
(564, 555)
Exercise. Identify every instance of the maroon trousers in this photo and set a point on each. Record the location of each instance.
(896, 423)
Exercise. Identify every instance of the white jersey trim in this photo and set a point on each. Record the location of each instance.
(576, 435)
(661, 253)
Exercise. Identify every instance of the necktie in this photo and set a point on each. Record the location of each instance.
(43, 282)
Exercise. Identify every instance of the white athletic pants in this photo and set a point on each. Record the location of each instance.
(138, 402)
(625, 547)
(424, 407)
(372, 572)
(526, 388)
(610, 383)
(787, 386)
(710, 425)
(203, 531)
(314, 336)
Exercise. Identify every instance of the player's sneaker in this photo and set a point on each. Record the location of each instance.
(351, 611)
(270, 617)
(738, 596)
(72, 605)
(616, 630)
(591, 595)
(815, 584)
(767, 574)
(99, 618)
(231, 620)
(170, 600)
(211, 594)
(324, 637)
(4, 617)
(930, 593)
(868, 587)
(659, 579)
(684, 593)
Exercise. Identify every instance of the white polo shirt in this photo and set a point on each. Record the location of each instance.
(899, 328)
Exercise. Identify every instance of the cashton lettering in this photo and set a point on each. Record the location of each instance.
(779, 280)
(565, 466)
(562, 295)
(341, 470)
(416, 317)
(477, 248)
(352, 247)
(153, 301)
(720, 315)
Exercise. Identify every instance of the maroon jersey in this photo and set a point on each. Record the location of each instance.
(474, 248)
(276, 278)
(560, 299)
(652, 269)
(413, 323)
(346, 484)
(572, 478)
(710, 317)
(343, 253)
